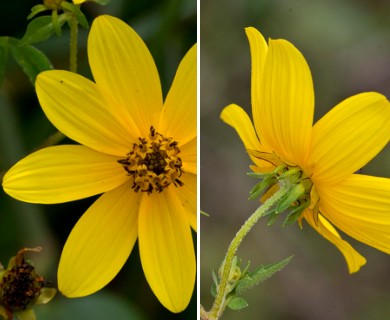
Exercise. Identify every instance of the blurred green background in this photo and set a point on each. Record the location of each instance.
(169, 28)
(347, 46)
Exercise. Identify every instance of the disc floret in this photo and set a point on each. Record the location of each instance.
(154, 163)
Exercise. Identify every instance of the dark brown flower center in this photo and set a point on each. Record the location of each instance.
(154, 163)
(20, 286)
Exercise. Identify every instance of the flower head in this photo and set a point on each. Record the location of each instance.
(21, 288)
(322, 158)
(137, 150)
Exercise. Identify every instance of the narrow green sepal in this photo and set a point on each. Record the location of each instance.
(41, 29)
(262, 175)
(295, 214)
(35, 10)
(81, 19)
(294, 193)
(272, 219)
(262, 273)
(237, 303)
(261, 187)
(293, 174)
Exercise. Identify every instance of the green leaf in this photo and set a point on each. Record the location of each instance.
(262, 273)
(4, 50)
(81, 19)
(41, 29)
(35, 10)
(30, 59)
(237, 303)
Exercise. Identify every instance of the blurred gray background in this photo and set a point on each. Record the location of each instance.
(347, 46)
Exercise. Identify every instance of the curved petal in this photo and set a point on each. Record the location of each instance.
(166, 249)
(360, 207)
(349, 136)
(76, 107)
(353, 258)
(188, 154)
(259, 50)
(178, 117)
(187, 196)
(99, 243)
(78, 1)
(237, 118)
(286, 102)
(122, 65)
(63, 173)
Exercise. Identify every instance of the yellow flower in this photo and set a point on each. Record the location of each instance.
(327, 154)
(137, 150)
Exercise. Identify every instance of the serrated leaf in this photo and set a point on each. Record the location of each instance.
(30, 59)
(4, 50)
(237, 303)
(41, 29)
(262, 273)
(81, 19)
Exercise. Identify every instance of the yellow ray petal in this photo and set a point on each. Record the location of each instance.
(122, 65)
(187, 197)
(178, 117)
(78, 1)
(237, 118)
(286, 102)
(188, 156)
(99, 243)
(360, 206)
(75, 106)
(166, 249)
(259, 50)
(349, 136)
(63, 173)
(353, 258)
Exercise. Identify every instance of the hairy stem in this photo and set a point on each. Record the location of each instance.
(219, 304)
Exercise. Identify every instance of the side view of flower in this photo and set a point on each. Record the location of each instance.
(320, 159)
(137, 150)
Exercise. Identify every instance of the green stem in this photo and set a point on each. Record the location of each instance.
(219, 304)
(73, 44)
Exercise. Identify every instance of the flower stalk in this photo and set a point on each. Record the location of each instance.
(73, 44)
(224, 287)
